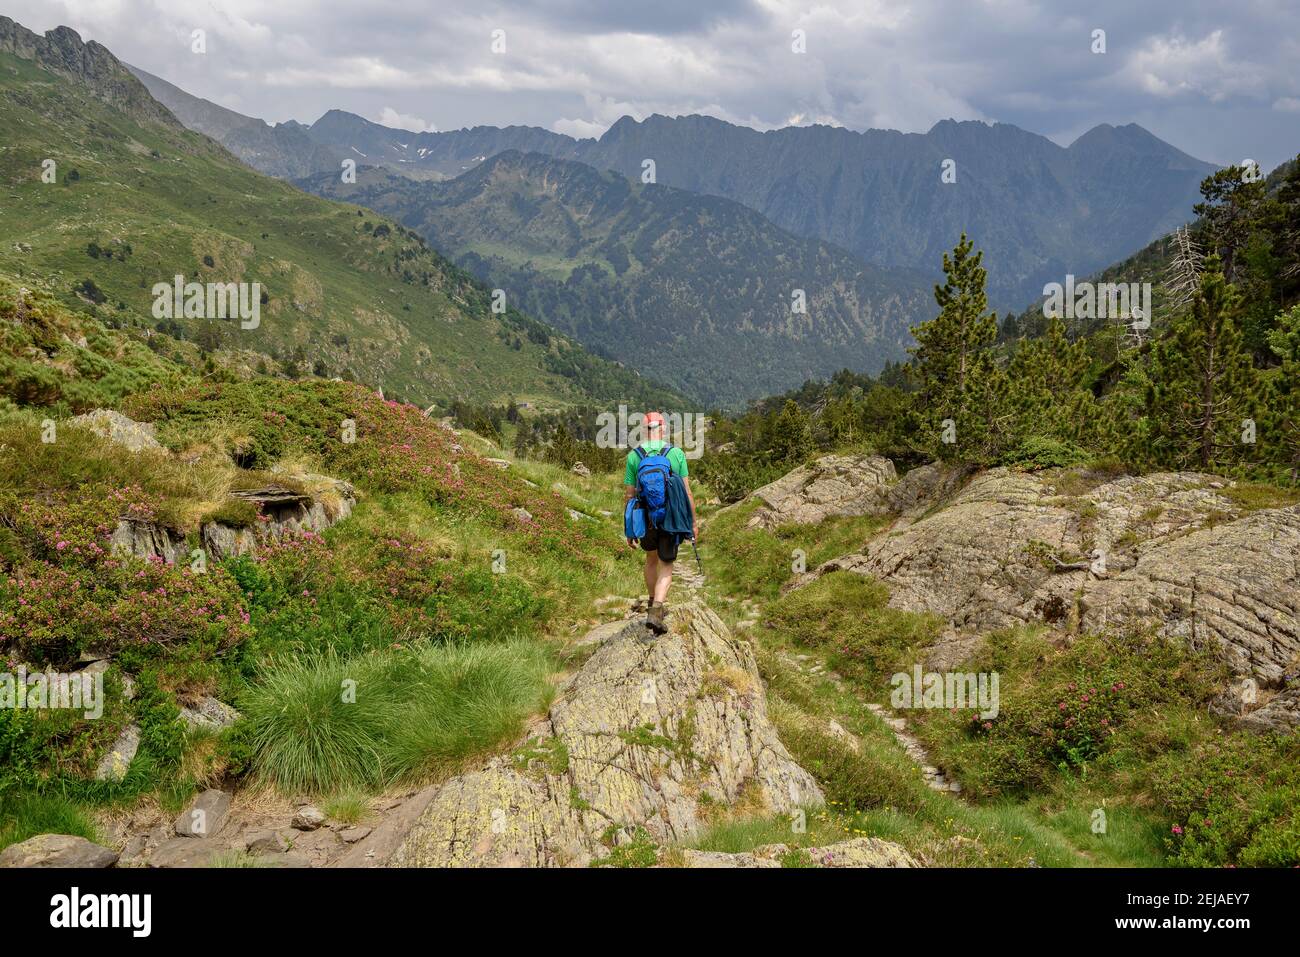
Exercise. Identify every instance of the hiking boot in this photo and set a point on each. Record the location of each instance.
(655, 618)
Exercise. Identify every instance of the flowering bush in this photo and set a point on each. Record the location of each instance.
(396, 449)
(50, 613)
(1232, 801)
(67, 593)
(1062, 709)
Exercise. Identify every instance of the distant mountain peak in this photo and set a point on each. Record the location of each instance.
(62, 51)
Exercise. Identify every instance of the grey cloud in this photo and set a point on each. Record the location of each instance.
(1218, 80)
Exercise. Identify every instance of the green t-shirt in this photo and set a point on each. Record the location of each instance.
(676, 459)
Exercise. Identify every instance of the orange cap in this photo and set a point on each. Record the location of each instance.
(653, 420)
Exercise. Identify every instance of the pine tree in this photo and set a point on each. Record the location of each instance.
(790, 438)
(958, 380)
(1203, 384)
(1044, 376)
(1284, 396)
(1229, 213)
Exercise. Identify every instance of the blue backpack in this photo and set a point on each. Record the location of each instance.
(652, 482)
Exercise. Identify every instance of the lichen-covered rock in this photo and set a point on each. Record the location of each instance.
(120, 429)
(859, 852)
(648, 731)
(226, 541)
(57, 850)
(1279, 713)
(208, 713)
(115, 762)
(832, 485)
(146, 540)
(1236, 585)
(925, 486)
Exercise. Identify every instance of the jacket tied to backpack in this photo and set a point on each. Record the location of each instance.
(661, 501)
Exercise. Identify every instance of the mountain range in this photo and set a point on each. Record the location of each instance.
(108, 195)
(688, 275)
(702, 292)
(1037, 209)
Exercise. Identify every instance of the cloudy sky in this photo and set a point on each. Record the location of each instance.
(1220, 80)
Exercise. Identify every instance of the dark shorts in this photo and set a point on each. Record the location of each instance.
(665, 544)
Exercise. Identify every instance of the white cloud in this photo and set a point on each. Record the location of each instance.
(403, 121)
(1168, 66)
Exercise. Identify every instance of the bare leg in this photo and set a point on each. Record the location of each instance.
(651, 573)
(663, 580)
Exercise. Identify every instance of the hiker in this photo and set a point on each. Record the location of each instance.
(654, 481)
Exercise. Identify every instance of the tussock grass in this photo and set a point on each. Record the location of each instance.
(347, 807)
(416, 713)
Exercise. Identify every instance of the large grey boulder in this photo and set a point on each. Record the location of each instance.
(57, 850)
(832, 485)
(205, 816)
(649, 733)
(119, 429)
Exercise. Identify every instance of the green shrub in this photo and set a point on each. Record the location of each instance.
(1234, 799)
(1064, 710)
(1038, 452)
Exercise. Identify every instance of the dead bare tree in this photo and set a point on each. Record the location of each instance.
(1183, 277)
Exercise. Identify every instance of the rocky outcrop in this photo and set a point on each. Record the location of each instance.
(61, 51)
(859, 852)
(1169, 552)
(645, 736)
(147, 540)
(1236, 584)
(832, 485)
(57, 850)
(119, 429)
(285, 512)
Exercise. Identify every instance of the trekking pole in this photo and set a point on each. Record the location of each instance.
(698, 563)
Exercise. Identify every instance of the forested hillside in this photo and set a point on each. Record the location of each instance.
(110, 196)
(700, 292)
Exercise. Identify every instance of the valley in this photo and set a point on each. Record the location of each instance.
(320, 482)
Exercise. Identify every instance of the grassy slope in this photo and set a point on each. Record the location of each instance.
(383, 309)
(402, 597)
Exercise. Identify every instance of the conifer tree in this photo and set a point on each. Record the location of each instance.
(790, 438)
(1044, 377)
(1204, 389)
(958, 381)
(1284, 396)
